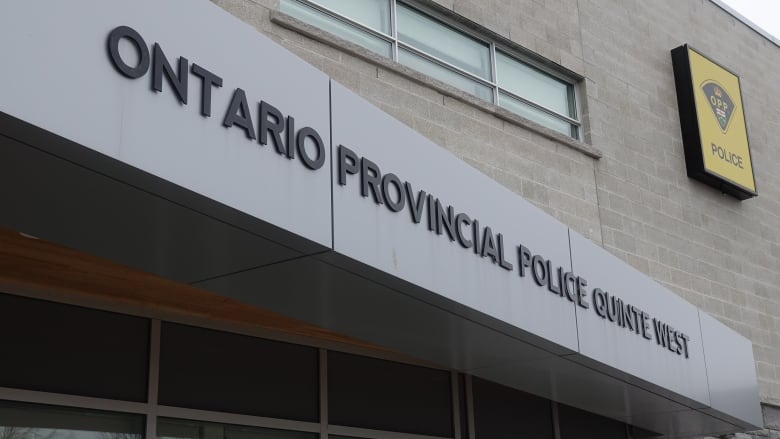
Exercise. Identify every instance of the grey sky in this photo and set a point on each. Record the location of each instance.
(764, 13)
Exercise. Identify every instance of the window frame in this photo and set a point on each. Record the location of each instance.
(493, 45)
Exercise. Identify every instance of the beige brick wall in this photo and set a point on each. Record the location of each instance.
(721, 254)
(717, 252)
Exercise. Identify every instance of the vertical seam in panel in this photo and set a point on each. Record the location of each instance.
(323, 390)
(571, 264)
(704, 357)
(556, 420)
(455, 392)
(330, 123)
(470, 408)
(154, 379)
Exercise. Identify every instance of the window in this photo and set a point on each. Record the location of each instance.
(185, 429)
(504, 413)
(219, 371)
(51, 347)
(377, 394)
(468, 62)
(578, 424)
(31, 421)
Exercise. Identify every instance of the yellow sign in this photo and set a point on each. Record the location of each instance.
(721, 118)
(721, 122)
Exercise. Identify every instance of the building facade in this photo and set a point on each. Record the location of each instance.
(181, 292)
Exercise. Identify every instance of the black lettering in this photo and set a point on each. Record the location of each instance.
(635, 319)
(489, 245)
(523, 259)
(124, 32)
(178, 80)
(415, 204)
(624, 315)
(599, 303)
(431, 213)
(684, 343)
(555, 289)
(621, 312)
(670, 339)
(208, 81)
(477, 244)
(238, 114)
(348, 164)
(291, 140)
(678, 342)
(612, 311)
(727, 156)
(502, 262)
(539, 270)
(303, 153)
(661, 333)
(462, 219)
(581, 292)
(370, 176)
(569, 285)
(274, 127)
(646, 326)
(387, 181)
(445, 220)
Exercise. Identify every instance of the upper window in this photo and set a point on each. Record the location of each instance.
(416, 39)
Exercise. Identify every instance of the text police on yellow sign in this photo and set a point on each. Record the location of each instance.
(712, 119)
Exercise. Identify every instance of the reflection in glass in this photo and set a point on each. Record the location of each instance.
(371, 13)
(336, 27)
(28, 421)
(182, 429)
(384, 395)
(579, 424)
(57, 348)
(213, 370)
(443, 42)
(534, 85)
(536, 115)
(445, 75)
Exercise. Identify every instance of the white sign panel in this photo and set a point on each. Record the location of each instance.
(637, 326)
(181, 90)
(411, 209)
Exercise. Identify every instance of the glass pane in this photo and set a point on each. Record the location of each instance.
(371, 13)
(537, 115)
(384, 395)
(579, 424)
(504, 413)
(29, 421)
(219, 371)
(445, 75)
(534, 85)
(182, 429)
(464, 413)
(73, 350)
(443, 42)
(336, 27)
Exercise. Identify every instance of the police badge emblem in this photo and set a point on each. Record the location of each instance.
(721, 104)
